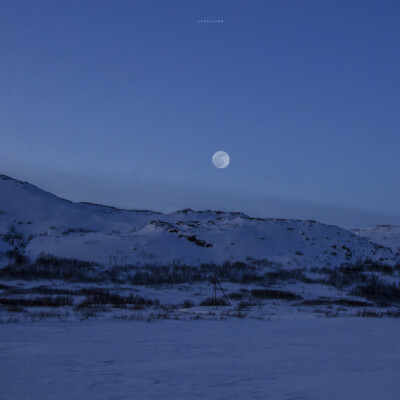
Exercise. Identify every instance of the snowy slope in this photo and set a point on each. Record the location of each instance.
(385, 235)
(38, 221)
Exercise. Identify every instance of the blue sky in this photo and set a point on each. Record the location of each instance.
(125, 102)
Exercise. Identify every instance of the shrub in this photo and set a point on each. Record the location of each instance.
(244, 305)
(322, 301)
(238, 314)
(15, 308)
(210, 301)
(369, 314)
(393, 313)
(88, 312)
(73, 270)
(50, 267)
(345, 275)
(41, 315)
(187, 304)
(102, 297)
(16, 259)
(274, 294)
(353, 274)
(377, 290)
(296, 274)
(45, 301)
(236, 295)
(379, 267)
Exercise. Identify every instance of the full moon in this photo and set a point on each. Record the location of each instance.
(220, 159)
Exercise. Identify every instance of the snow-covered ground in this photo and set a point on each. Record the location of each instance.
(385, 235)
(136, 322)
(303, 358)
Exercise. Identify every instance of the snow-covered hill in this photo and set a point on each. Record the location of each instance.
(385, 235)
(37, 221)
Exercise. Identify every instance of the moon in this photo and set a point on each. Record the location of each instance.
(220, 159)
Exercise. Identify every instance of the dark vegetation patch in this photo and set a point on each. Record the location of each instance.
(245, 305)
(237, 295)
(177, 273)
(196, 241)
(12, 235)
(45, 301)
(353, 274)
(77, 230)
(393, 313)
(375, 289)
(14, 308)
(322, 301)
(11, 290)
(367, 313)
(16, 259)
(364, 279)
(187, 304)
(96, 296)
(210, 301)
(296, 274)
(72, 270)
(346, 275)
(89, 312)
(42, 315)
(380, 267)
(274, 294)
(50, 267)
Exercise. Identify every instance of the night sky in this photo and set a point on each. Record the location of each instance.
(125, 102)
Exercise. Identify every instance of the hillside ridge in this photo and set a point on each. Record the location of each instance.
(35, 221)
